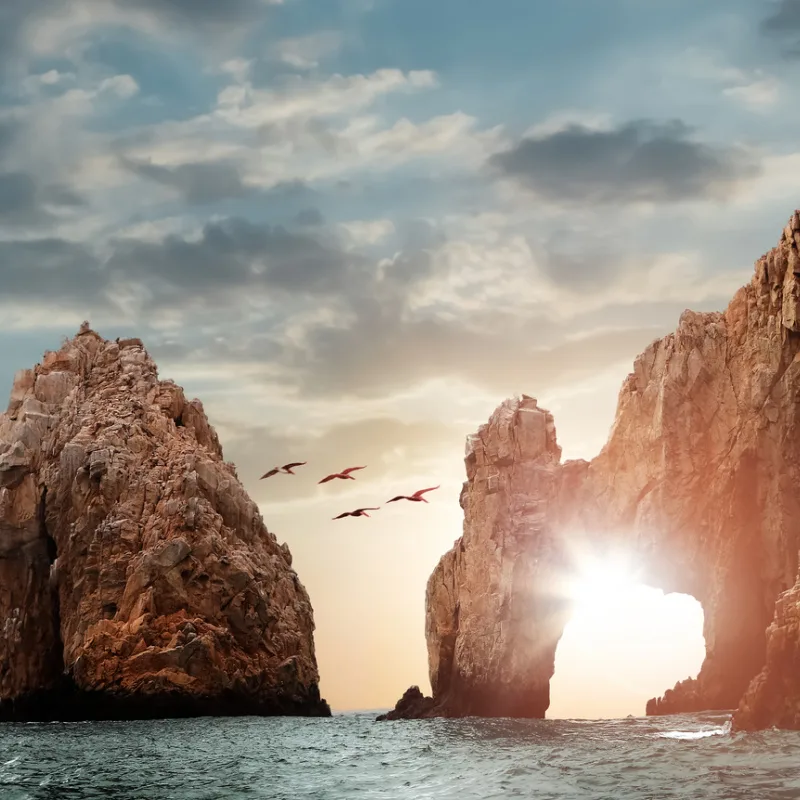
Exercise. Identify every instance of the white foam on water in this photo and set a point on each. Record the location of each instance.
(692, 734)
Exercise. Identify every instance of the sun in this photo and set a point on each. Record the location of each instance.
(625, 641)
(602, 581)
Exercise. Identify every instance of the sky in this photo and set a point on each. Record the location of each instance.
(354, 227)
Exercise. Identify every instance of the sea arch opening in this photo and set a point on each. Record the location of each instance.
(626, 641)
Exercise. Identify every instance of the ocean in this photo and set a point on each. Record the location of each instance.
(351, 756)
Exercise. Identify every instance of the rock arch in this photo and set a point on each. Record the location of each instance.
(699, 479)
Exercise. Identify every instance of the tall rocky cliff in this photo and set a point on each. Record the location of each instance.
(137, 578)
(699, 481)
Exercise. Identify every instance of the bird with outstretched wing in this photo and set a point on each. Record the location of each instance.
(414, 498)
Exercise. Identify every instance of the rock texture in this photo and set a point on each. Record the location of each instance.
(137, 578)
(698, 480)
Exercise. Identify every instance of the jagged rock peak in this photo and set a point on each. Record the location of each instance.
(137, 578)
(518, 429)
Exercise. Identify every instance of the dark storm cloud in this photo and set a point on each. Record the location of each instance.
(14, 16)
(198, 184)
(638, 161)
(9, 131)
(309, 217)
(784, 24)
(235, 255)
(25, 198)
(232, 260)
(50, 270)
(22, 199)
(785, 17)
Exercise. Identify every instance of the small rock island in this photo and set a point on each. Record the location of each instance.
(699, 480)
(137, 578)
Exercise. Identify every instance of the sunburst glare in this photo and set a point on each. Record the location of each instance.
(625, 642)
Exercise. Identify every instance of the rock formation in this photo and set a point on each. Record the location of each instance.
(137, 578)
(698, 481)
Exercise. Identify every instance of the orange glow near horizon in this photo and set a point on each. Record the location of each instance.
(625, 643)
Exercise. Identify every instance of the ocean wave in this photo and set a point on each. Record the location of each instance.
(347, 756)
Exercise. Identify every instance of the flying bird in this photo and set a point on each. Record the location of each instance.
(415, 498)
(289, 467)
(359, 512)
(286, 468)
(343, 475)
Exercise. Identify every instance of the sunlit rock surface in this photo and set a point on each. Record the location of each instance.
(698, 481)
(137, 577)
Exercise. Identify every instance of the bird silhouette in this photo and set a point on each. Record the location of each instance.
(359, 512)
(414, 498)
(286, 468)
(351, 469)
(343, 475)
(289, 467)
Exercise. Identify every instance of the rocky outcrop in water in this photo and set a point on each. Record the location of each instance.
(412, 705)
(698, 481)
(137, 578)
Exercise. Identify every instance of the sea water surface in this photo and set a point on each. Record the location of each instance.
(352, 756)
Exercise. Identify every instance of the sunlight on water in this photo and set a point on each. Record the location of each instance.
(626, 642)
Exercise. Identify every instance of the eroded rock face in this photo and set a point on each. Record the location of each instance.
(698, 481)
(137, 578)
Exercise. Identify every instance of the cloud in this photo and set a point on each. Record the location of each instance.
(784, 19)
(784, 24)
(24, 201)
(9, 133)
(754, 89)
(230, 258)
(638, 161)
(51, 270)
(122, 85)
(48, 27)
(590, 262)
(370, 231)
(379, 354)
(202, 11)
(312, 130)
(305, 52)
(309, 217)
(198, 184)
(248, 107)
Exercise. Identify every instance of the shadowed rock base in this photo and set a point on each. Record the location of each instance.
(67, 703)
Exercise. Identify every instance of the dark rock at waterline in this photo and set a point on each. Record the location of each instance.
(412, 705)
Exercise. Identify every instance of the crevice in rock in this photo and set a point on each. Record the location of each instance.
(55, 603)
